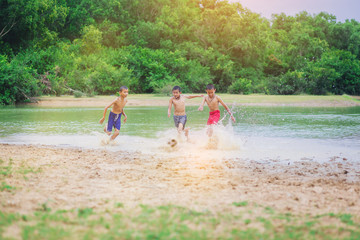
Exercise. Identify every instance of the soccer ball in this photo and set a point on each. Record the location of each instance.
(172, 143)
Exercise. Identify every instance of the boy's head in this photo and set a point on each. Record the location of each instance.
(124, 91)
(210, 90)
(176, 91)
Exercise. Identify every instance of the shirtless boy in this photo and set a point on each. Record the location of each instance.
(178, 100)
(115, 114)
(213, 101)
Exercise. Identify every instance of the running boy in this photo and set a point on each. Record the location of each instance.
(115, 114)
(213, 101)
(178, 101)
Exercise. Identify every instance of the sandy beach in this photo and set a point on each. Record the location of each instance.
(65, 178)
(231, 99)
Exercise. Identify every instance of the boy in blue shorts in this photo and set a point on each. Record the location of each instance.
(115, 114)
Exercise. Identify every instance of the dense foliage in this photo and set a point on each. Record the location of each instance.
(94, 46)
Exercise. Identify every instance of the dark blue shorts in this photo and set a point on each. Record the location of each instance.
(114, 121)
(180, 119)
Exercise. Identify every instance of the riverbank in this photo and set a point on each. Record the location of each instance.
(50, 179)
(230, 99)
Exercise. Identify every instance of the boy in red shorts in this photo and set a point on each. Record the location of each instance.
(213, 101)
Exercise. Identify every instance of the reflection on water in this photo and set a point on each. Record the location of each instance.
(260, 133)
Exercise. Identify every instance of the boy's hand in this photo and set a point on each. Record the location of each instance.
(125, 118)
(101, 120)
(201, 108)
(169, 114)
(232, 118)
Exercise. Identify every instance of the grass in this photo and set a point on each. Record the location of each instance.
(240, 204)
(5, 172)
(9, 171)
(175, 222)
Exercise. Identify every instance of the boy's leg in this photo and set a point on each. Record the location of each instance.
(210, 130)
(116, 133)
(187, 132)
(105, 130)
(180, 128)
(117, 124)
(110, 124)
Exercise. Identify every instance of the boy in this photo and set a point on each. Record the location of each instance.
(115, 113)
(213, 101)
(178, 101)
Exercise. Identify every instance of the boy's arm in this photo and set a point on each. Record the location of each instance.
(227, 108)
(194, 96)
(125, 117)
(202, 104)
(169, 108)
(105, 110)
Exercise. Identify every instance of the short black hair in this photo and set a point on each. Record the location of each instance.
(210, 86)
(177, 88)
(122, 88)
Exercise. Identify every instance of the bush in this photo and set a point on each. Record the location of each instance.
(91, 94)
(242, 86)
(289, 83)
(107, 79)
(78, 94)
(165, 90)
(18, 82)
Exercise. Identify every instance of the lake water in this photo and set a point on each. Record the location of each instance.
(260, 133)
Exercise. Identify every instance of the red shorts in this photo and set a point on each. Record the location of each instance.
(214, 117)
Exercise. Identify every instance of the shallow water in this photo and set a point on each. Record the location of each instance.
(260, 133)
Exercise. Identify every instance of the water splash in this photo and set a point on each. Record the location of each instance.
(223, 143)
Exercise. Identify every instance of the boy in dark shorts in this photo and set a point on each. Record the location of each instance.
(117, 110)
(180, 118)
(213, 101)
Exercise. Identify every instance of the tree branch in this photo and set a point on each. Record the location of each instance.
(3, 33)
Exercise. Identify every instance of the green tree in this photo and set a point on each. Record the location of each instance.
(345, 36)
(338, 72)
(27, 21)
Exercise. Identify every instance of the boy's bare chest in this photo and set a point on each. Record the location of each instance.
(119, 103)
(179, 102)
(213, 102)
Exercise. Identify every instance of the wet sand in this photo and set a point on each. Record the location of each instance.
(67, 178)
(240, 100)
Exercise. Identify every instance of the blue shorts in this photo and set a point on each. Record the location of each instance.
(180, 119)
(114, 121)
